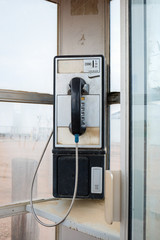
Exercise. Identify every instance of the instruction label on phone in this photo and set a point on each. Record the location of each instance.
(91, 66)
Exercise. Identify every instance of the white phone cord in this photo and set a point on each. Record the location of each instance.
(75, 188)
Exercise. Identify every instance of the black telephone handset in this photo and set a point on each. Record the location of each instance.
(77, 125)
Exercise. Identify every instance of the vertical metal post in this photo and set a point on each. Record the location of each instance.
(124, 117)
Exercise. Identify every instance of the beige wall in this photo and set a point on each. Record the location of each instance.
(83, 27)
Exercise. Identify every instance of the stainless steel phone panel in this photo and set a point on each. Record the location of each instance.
(88, 69)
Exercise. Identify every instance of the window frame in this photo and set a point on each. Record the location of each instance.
(124, 101)
(15, 96)
(13, 209)
(25, 97)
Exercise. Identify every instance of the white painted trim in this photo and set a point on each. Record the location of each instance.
(124, 117)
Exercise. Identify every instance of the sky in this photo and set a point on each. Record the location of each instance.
(28, 30)
(28, 44)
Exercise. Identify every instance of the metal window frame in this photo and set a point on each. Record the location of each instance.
(124, 18)
(25, 97)
(15, 96)
(18, 207)
(43, 98)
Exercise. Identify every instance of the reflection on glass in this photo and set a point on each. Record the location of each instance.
(115, 45)
(24, 131)
(115, 137)
(115, 84)
(138, 122)
(145, 130)
(28, 44)
(153, 120)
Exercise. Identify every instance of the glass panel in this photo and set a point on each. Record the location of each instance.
(5, 228)
(28, 44)
(115, 84)
(145, 118)
(138, 120)
(24, 227)
(115, 45)
(24, 131)
(115, 137)
(153, 120)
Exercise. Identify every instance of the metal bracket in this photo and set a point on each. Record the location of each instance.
(113, 98)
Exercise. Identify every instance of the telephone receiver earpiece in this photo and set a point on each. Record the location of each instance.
(76, 87)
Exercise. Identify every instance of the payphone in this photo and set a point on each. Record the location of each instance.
(79, 109)
(79, 120)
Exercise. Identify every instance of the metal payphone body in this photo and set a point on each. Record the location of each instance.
(88, 73)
